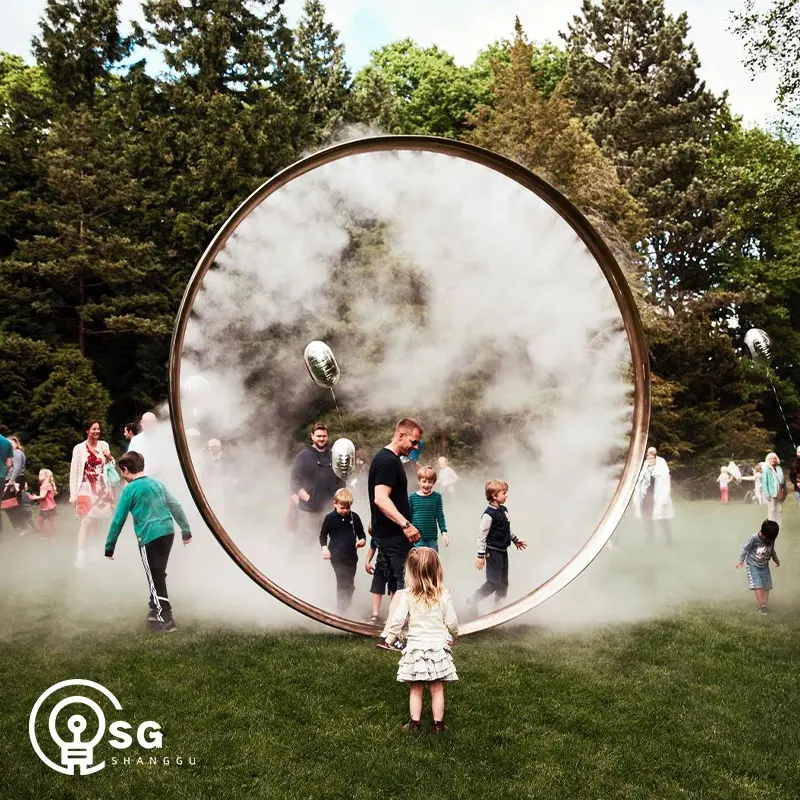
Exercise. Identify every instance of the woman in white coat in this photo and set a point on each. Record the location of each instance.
(653, 495)
(92, 499)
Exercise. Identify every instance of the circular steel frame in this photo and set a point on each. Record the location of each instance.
(619, 287)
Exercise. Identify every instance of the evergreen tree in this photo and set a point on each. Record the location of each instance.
(218, 46)
(80, 272)
(325, 77)
(78, 46)
(635, 84)
(548, 61)
(546, 136)
(26, 108)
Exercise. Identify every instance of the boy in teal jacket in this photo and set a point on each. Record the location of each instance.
(153, 509)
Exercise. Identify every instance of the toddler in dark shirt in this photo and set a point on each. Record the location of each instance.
(342, 533)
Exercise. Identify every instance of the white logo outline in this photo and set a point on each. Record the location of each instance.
(70, 768)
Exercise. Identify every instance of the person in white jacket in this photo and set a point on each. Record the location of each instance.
(92, 499)
(653, 496)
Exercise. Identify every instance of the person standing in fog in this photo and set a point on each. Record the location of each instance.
(653, 496)
(773, 487)
(389, 507)
(313, 484)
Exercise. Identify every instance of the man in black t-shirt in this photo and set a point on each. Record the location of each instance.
(389, 506)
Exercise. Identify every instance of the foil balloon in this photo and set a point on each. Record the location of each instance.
(759, 345)
(321, 364)
(343, 456)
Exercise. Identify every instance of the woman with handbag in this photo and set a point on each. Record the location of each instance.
(773, 486)
(16, 476)
(7, 493)
(88, 490)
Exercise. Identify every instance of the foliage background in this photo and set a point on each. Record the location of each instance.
(113, 182)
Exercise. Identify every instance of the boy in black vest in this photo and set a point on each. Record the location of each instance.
(341, 534)
(494, 539)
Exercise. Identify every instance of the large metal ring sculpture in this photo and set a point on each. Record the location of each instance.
(613, 274)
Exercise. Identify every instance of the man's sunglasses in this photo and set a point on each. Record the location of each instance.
(414, 442)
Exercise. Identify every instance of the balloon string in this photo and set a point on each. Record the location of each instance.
(777, 400)
(341, 421)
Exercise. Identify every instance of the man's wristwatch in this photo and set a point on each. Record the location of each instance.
(406, 525)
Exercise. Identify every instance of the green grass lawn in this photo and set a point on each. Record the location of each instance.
(698, 696)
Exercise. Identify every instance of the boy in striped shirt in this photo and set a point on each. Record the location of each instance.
(427, 511)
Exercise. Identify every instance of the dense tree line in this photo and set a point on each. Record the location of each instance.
(114, 181)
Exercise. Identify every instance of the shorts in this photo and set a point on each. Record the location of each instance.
(395, 551)
(383, 581)
(759, 577)
(432, 543)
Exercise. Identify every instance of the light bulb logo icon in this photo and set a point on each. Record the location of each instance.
(77, 748)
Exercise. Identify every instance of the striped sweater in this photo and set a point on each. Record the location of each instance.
(427, 511)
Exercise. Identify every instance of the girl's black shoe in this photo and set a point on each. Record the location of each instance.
(411, 726)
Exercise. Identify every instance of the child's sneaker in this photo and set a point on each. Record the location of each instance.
(439, 727)
(412, 726)
(382, 644)
(373, 620)
(398, 645)
(763, 610)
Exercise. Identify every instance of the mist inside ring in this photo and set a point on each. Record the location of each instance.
(448, 293)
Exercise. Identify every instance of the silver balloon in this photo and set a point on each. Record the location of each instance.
(343, 456)
(321, 364)
(759, 345)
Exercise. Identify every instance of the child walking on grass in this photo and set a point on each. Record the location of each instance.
(494, 539)
(755, 557)
(723, 480)
(341, 535)
(153, 509)
(47, 504)
(432, 627)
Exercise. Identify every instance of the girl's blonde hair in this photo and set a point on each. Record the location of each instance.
(423, 575)
(48, 476)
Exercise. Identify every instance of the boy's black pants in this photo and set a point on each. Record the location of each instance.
(496, 575)
(155, 555)
(345, 572)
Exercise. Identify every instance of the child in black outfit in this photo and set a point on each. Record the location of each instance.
(340, 536)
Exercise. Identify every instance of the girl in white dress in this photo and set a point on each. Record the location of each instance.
(432, 627)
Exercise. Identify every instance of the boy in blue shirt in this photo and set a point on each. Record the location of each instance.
(756, 554)
(153, 509)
